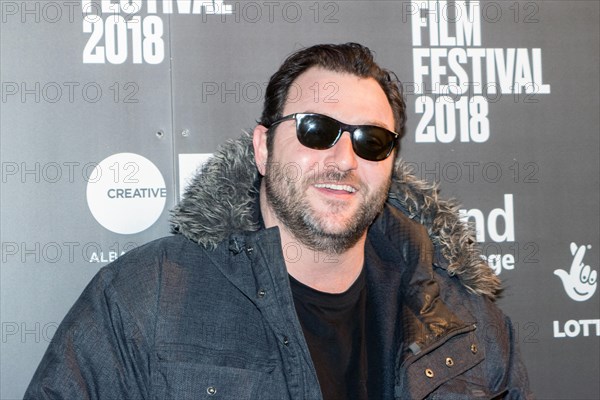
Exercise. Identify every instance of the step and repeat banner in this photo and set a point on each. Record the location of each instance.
(108, 107)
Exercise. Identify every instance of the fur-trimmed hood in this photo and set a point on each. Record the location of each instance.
(222, 200)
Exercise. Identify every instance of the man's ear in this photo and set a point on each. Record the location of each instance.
(261, 153)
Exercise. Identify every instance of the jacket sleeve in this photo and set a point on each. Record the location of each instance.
(98, 351)
(503, 368)
(518, 381)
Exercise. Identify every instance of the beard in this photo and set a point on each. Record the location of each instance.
(316, 229)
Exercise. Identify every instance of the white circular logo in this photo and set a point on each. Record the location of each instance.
(126, 193)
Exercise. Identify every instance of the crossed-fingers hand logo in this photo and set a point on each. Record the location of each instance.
(580, 281)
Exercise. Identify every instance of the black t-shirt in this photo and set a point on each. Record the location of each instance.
(334, 328)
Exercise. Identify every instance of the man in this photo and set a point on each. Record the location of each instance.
(305, 266)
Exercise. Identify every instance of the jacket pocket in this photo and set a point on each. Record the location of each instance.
(464, 388)
(183, 380)
(208, 375)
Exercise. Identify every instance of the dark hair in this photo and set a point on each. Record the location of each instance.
(351, 58)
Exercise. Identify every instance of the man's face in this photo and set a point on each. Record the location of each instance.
(328, 198)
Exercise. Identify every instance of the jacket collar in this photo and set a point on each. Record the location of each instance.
(222, 200)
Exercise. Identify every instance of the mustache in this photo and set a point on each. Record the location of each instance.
(292, 173)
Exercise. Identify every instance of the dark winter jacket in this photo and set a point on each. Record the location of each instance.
(208, 312)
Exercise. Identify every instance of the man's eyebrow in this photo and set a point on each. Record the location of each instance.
(376, 123)
(369, 122)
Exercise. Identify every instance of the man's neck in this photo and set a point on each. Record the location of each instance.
(330, 273)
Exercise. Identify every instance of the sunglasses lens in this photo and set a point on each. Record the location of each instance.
(320, 132)
(317, 131)
(372, 143)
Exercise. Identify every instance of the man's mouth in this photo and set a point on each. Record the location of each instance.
(335, 186)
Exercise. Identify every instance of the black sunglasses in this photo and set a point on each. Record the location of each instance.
(320, 132)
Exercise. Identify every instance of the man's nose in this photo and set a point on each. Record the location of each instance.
(342, 154)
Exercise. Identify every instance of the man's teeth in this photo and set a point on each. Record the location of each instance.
(333, 186)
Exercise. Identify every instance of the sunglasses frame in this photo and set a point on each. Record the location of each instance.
(342, 127)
